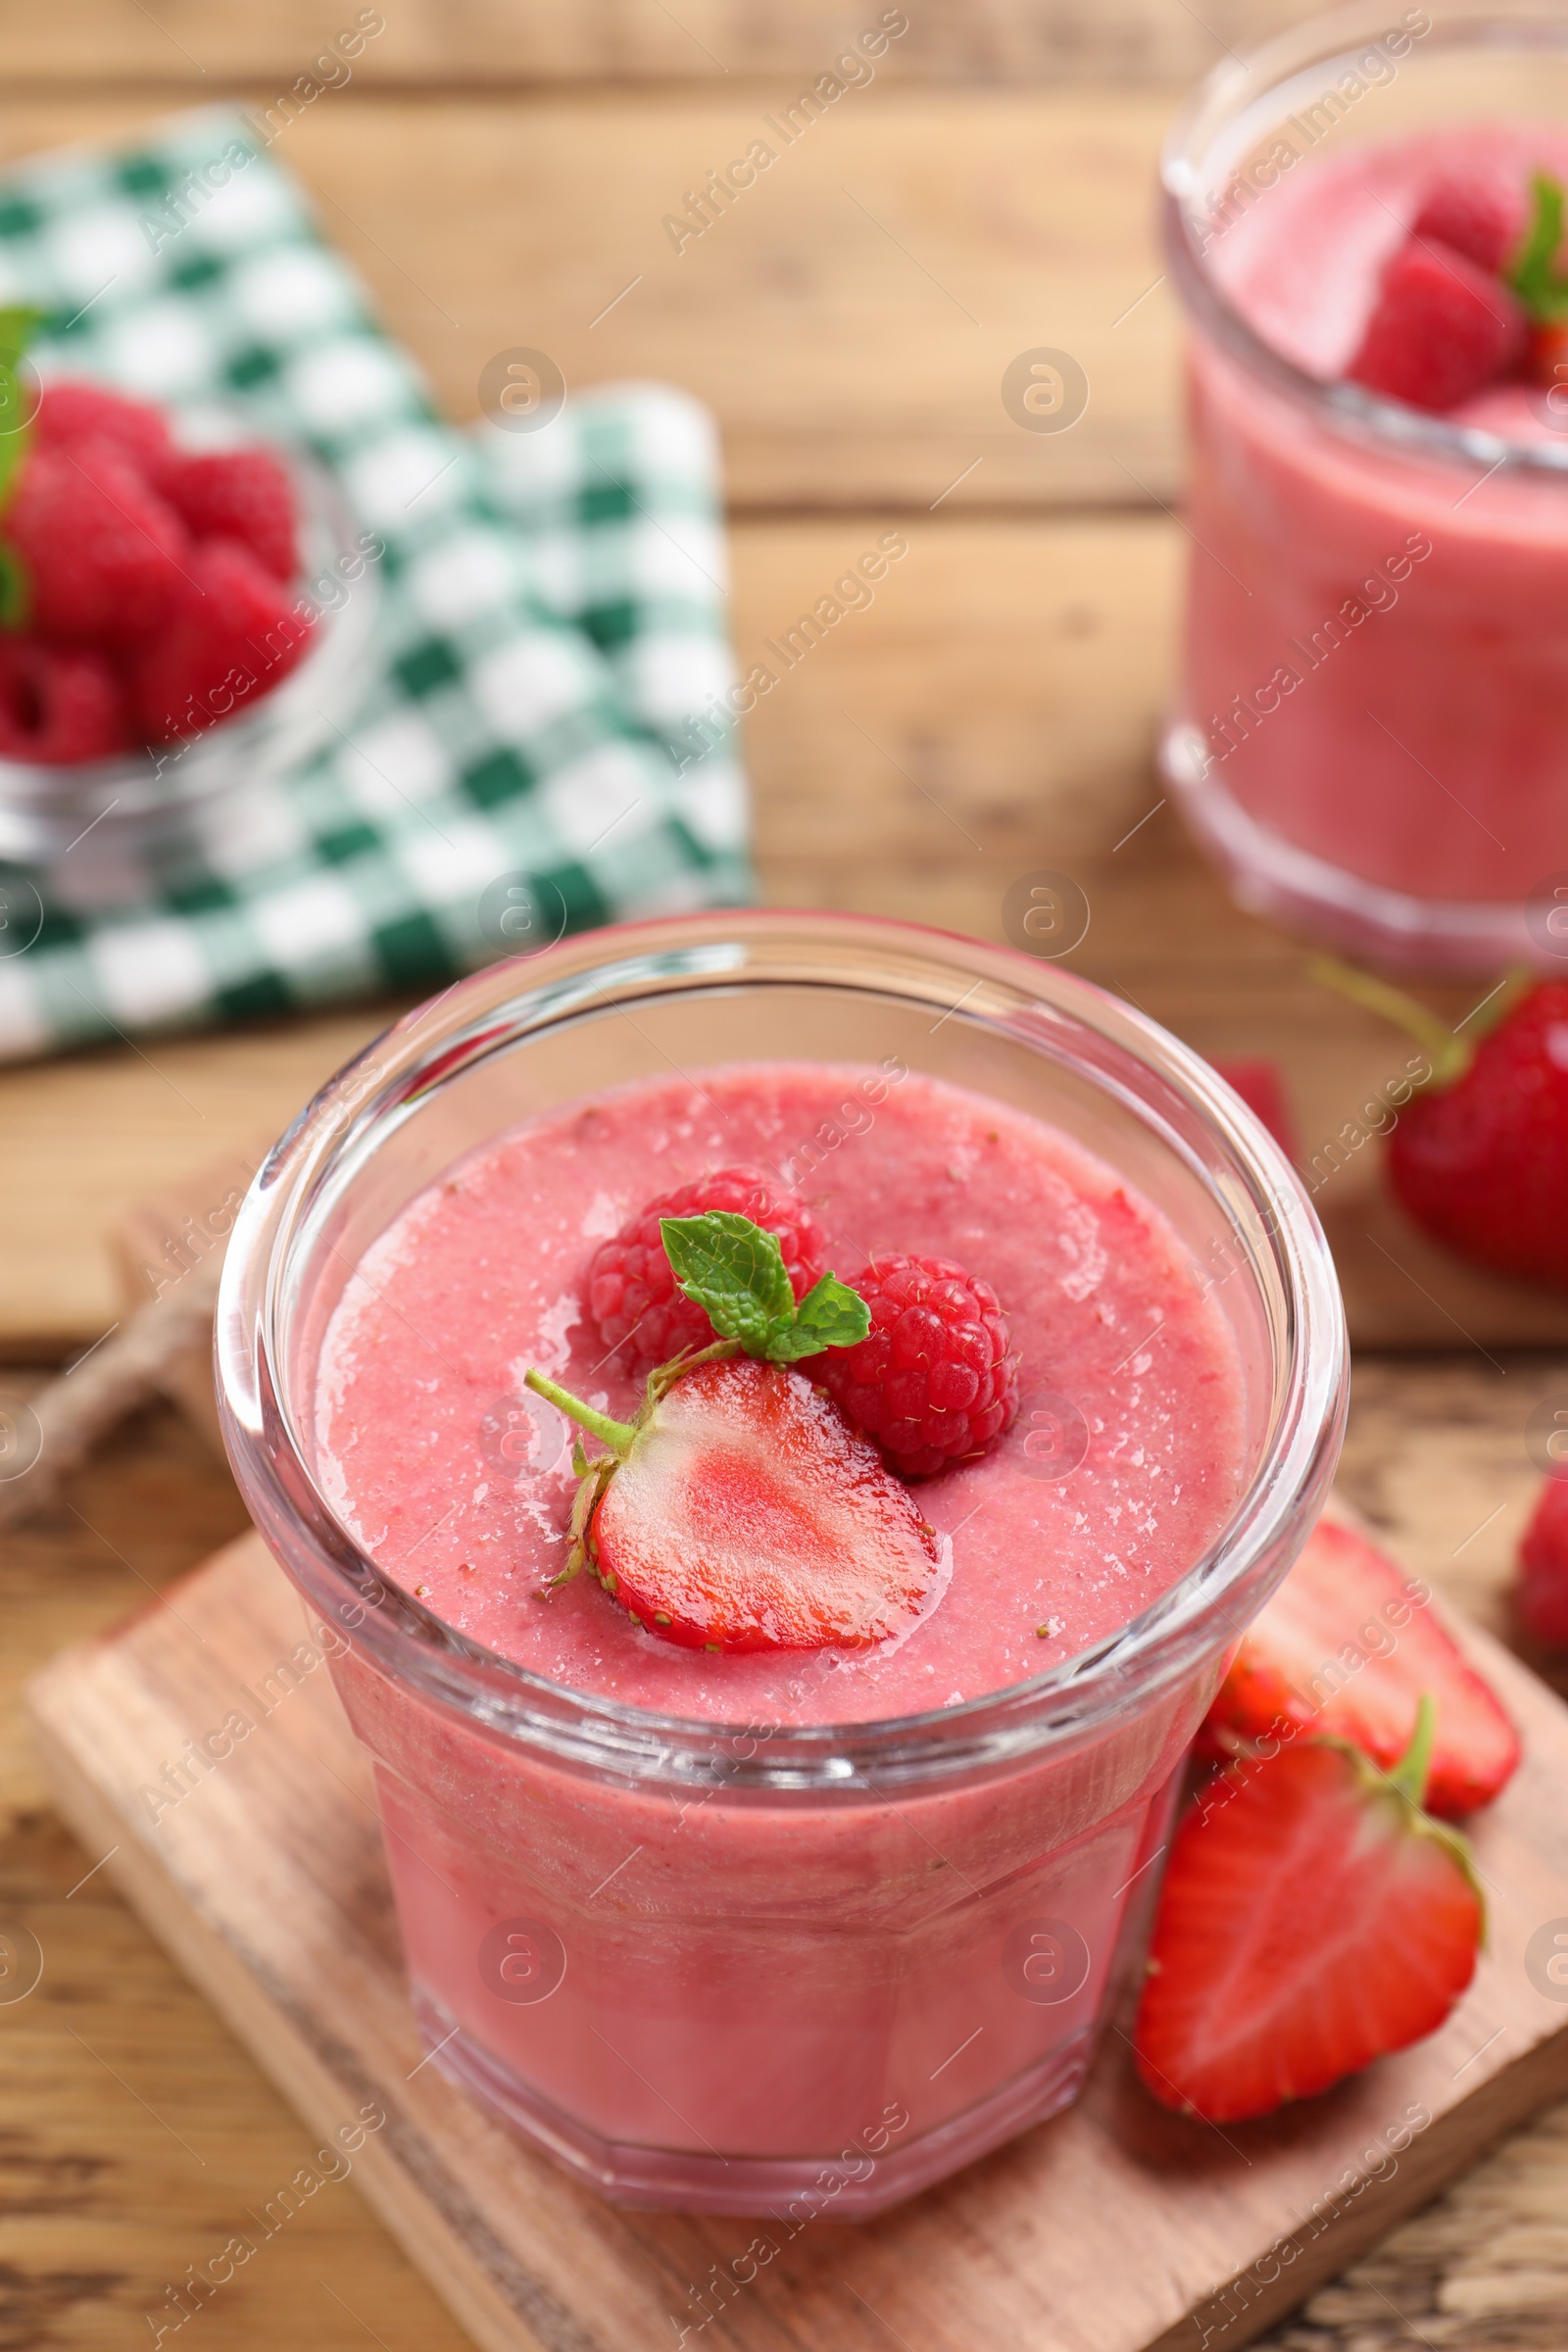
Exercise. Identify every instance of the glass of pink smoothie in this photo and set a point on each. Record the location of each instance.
(1371, 729)
(795, 1931)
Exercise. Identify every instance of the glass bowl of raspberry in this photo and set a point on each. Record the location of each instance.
(186, 613)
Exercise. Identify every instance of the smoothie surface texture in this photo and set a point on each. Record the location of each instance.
(1122, 1341)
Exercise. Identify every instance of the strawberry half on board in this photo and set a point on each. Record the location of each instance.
(1313, 1918)
(1347, 1647)
(740, 1511)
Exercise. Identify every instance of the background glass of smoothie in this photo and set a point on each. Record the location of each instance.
(1371, 729)
(790, 1931)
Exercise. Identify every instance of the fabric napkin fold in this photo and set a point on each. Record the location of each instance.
(551, 624)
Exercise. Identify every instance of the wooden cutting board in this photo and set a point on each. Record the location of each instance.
(1116, 2227)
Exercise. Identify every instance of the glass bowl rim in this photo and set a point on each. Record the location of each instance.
(408, 1643)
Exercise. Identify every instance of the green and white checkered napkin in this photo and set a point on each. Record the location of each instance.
(550, 612)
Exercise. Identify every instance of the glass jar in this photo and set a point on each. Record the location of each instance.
(748, 1967)
(1371, 727)
(100, 832)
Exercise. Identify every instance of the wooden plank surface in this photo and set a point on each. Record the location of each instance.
(850, 320)
(846, 392)
(192, 44)
(990, 715)
(116, 2180)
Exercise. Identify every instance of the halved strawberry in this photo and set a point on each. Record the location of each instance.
(1347, 1646)
(747, 1514)
(1313, 1918)
(740, 1511)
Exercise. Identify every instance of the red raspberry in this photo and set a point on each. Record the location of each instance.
(1541, 1596)
(234, 635)
(69, 413)
(631, 1286)
(1476, 216)
(106, 558)
(935, 1378)
(242, 494)
(59, 703)
(1440, 329)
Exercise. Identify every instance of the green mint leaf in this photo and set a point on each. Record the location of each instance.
(830, 1315)
(735, 1271)
(1534, 276)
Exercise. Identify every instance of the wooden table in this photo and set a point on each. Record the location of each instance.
(499, 170)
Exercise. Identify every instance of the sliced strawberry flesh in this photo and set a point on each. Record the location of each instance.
(1347, 1645)
(1308, 1923)
(749, 1515)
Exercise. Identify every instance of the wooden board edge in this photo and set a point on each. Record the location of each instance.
(1245, 2306)
(463, 2270)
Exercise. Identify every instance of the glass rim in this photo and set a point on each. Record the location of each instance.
(1025, 1000)
(1240, 84)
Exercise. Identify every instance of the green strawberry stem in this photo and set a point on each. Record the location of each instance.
(1450, 1054)
(1408, 1780)
(1409, 1776)
(616, 1435)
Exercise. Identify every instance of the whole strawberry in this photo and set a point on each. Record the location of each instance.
(633, 1297)
(740, 1511)
(935, 1379)
(1541, 1596)
(1480, 1156)
(1311, 1918)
